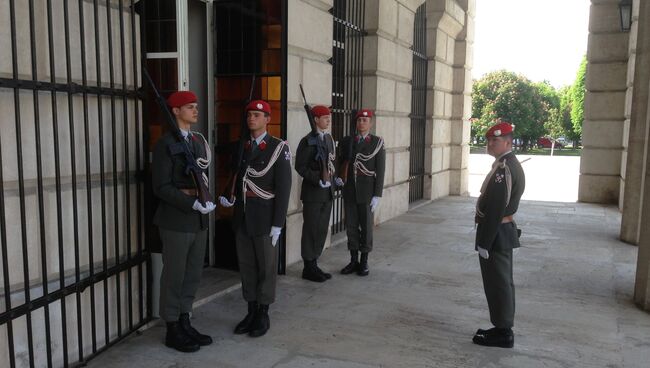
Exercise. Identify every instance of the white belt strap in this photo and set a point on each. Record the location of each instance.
(252, 173)
(361, 158)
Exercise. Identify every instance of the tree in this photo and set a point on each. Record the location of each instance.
(512, 98)
(578, 91)
(566, 106)
(553, 126)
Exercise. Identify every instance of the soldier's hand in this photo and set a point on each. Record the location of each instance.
(224, 202)
(339, 182)
(483, 253)
(209, 207)
(326, 184)
(374, 203)
(275, 234)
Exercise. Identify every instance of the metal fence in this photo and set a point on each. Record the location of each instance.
(418, 106)
(347, 78)
(73, 278)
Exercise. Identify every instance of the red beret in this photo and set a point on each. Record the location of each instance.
(364, 113)
(259, 105)
(499, 130)
(320, 110)
(180, 98)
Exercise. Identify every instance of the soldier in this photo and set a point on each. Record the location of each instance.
(316, 195)
(362, 164)
(183, 222)
(263, 184)
(497, 235)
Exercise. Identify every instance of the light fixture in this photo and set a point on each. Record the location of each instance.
(625, 11)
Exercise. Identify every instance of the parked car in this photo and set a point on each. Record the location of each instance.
(546, 142)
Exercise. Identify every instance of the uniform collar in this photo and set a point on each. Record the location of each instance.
(185, 133)
(259, 139)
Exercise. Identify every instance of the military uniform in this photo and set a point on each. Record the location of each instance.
(365, 183)
(316, 201)
(262, 189)
(497, 234)
(183, 231)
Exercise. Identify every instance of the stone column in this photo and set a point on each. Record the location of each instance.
(602, 131)
(636, 111)
(309, 48)
(447, 82)
(642, 285)
(387, 68)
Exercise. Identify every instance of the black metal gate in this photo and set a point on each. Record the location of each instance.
(418, 106)
(73, 278)
(347, 78)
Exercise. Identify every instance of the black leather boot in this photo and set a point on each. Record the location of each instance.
(498, 337)
(261, 323)
(190, 331)
(325, 274)
(363, 265)
(310, 272)
(245, 325)
(353, 265)
(177, 339)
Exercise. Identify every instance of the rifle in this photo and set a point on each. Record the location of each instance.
(181, 146)
(322, 150)
(350, 156)
(244, 135)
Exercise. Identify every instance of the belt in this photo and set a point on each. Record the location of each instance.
(251, 194)
(507, 219)
(190, 192)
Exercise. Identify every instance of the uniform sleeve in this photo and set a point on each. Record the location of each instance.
(302, 164)
(495, 207)
(380, 170)
(282, 186)
(162, 183)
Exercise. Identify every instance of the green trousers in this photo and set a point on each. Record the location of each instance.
(359, 222)
(183, 255)
(258, 266)
(316, 219)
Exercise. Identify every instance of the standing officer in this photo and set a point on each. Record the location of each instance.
(497, 235)
(261, 201)
(183, 222)
(362, 165)
(316, 195)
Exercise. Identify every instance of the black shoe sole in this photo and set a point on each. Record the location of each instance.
(257, 333)
(314, 279)
(183, 349)
(479, 341)
(363, 273)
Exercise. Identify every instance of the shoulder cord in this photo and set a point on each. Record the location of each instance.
(495, 166)
(361, 158)
(201, 162)
(249, 184)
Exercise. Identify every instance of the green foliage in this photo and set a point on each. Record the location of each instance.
(578, 98)
(512, 98)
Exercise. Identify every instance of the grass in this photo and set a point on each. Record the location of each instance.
(536, 151)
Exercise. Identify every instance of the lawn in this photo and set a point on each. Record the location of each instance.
(536, 151)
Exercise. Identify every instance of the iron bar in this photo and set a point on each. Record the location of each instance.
(116, 207)
(84, 78)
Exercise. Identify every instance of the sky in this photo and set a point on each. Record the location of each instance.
(540, 39)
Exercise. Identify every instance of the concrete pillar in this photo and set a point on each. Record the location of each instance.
(309, 48)
(605, 101)
(642, 284)
(636, 111)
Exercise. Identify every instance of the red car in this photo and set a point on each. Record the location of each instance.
(545, 142)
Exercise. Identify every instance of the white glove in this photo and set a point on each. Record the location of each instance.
(483, 253)
(339, 181)
(223, 201)
(326, 184)
(209, 207)
(374, 203)
(275, 234)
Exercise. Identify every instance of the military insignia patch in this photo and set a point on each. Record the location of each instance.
(498, 178)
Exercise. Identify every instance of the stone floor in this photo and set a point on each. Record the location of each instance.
(424, 299)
